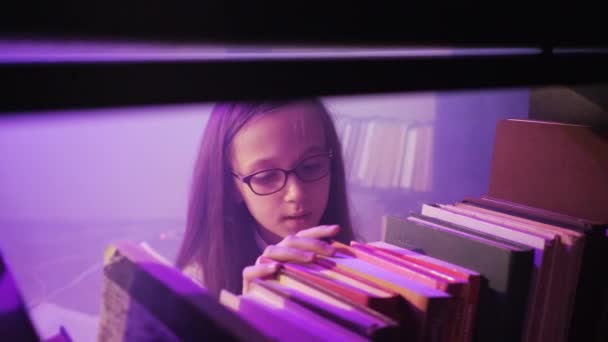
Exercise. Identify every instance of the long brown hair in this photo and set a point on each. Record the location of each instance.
(219, 233)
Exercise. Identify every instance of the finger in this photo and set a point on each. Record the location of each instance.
(308, 244)
(263, 260)
(257, 271)
(285, 253)
(320, 232)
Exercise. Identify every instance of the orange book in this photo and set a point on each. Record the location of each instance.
(432, 308)
(419, 273)
(354, 317)
(456, 287)
(472, 279)
(356, 289)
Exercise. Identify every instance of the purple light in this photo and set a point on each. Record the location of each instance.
(26, 51)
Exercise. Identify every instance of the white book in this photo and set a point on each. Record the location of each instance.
(408, 163)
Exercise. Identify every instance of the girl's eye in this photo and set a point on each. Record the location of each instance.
(311, 166)
(268, 177)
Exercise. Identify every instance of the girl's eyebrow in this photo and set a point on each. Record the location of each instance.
(312, 149)
(259, 164)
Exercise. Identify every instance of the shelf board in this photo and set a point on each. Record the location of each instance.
(38, 85)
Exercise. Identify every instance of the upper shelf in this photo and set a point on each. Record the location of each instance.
(461, 23)
(61, 74)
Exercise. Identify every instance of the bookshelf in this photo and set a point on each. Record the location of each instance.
(153, 78)
(162, 75)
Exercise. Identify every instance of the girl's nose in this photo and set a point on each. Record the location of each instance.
(294, 189)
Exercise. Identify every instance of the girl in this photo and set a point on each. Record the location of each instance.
(268, 181)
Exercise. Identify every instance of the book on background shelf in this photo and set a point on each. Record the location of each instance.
(383, 153)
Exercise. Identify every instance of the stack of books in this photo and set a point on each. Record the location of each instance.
(534, 262)
(562, 168)
(477, 270)
(366, 291)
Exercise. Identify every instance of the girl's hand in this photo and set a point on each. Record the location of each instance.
(301, 247)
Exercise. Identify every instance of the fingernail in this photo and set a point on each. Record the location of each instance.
(273, 266)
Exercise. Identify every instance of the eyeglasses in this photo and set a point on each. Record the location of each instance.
(269, 181)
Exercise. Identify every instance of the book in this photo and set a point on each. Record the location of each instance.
(272, 299)
(427, 313)
(277, 325)
(554, 166)
(354, 289)
(146, 298)
(331, 311)
(428, 276)
(431, 308)
(358, 318)
(472, 279)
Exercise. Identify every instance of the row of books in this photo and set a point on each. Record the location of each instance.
(373, 291)
(478, 270)
(481, 269)
(536, 264)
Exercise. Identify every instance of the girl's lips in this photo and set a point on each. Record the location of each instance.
(303, 216)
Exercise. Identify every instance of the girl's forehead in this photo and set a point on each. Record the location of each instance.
(281, 134)
(293, 123)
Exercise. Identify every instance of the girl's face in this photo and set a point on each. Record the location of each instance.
(282, 139)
